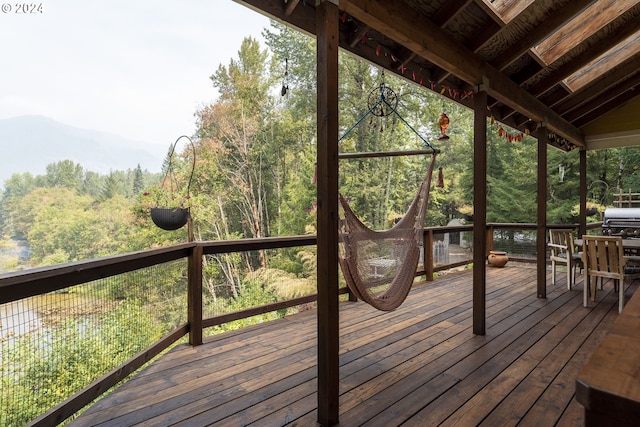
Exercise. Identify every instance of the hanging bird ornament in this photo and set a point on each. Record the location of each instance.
(443, 122)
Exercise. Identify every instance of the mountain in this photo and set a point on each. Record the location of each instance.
(30, 143)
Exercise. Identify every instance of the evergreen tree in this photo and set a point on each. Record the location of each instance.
(138, 180)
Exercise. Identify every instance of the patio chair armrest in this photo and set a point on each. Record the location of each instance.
(555, 245)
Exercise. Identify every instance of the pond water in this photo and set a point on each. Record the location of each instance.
(42, 312)
(17, 318)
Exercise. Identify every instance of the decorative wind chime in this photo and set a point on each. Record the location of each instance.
(285, 78)
(443, 124)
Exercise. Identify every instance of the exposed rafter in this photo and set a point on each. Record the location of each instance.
(533, 37)
(424, 38)
(594, 50)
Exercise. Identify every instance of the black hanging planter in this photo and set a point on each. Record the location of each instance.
(173, 218)
(170, 218)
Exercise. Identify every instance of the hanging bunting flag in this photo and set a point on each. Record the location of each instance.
(442, 89)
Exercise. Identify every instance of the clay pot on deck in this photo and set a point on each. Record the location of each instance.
(497, 258)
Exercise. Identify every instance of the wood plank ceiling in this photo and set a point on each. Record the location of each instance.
(573, 65)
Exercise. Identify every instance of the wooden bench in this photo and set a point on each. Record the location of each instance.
(609, 384)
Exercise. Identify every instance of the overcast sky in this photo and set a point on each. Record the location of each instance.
(136, 68)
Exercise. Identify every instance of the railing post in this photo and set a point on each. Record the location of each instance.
(352, 296)
(489, 240)
(427, 246)
(194, 296)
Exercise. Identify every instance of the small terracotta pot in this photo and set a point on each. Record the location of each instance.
(497, 258)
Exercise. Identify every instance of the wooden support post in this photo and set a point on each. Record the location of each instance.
(327, 15)
(541, 229)
(427, 259)
(194, 296)
(479, 212)
(582, 229)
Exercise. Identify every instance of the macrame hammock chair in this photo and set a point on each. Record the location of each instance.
(379, 266)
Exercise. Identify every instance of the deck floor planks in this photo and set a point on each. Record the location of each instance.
(210, 384)
(562, 388)
(525, 379)
(407, 364)
(481, 366)
(529, 392)
(201, 394)
(286, 401)
(421, 359)
(457, 363)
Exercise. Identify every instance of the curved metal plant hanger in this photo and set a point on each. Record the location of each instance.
(174, 217)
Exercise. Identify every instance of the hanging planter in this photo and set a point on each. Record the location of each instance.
(170, 218)
(170, 212)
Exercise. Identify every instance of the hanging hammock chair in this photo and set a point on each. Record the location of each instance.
(379, 266)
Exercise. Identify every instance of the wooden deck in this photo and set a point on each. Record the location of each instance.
(420, 365)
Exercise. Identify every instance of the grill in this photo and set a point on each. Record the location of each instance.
(623, 222)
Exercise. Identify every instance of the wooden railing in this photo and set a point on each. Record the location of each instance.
(25, 284)
(627, 199)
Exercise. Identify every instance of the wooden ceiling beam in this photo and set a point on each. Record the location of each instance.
(358, 35)
(602, 84)
(604, 97)
(290, 6)
(303, 17)
(540, 32)
(608, 106)
(417, 33)
(579, 61)
(449, 11)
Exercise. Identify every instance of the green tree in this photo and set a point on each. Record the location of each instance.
(234, 127)
(138, 180)
(15, 188)
(93, 184)
(65, 174)
(116, 184)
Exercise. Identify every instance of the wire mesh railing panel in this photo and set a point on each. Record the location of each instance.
(54, 345)
(243, 280)
(451, 247)
(516, 243)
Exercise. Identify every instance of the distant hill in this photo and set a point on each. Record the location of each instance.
(30, 143)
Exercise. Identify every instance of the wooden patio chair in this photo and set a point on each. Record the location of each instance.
(562, 251)
(603, 258)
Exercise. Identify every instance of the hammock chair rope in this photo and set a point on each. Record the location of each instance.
(379, 266)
